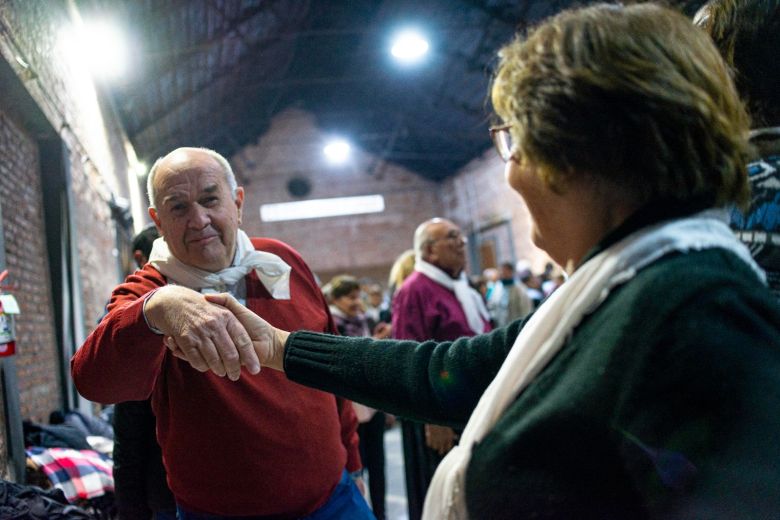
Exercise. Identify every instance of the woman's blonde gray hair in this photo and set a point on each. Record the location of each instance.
(634, 97)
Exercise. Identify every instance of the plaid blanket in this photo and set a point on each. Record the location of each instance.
(80, 474)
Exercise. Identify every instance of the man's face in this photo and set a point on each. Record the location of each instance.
(375, 296)
(196, 213)
(447, 247)
(507, 273)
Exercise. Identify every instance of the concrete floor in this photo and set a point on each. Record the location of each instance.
(395, 498)
(395, 494)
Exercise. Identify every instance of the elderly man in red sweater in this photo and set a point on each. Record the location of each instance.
(258, 445)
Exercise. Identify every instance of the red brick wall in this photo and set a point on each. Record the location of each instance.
(27, 262)
(95, 240)
(98, 164)
(63, 90)
(479, 196)
(361, 245)
(367, 245)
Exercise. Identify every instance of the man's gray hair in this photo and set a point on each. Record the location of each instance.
(422, 237)
(230, 177)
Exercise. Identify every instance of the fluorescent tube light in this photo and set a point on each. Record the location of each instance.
(321, 208)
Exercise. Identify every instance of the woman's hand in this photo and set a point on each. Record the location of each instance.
(207, 336)
(267, 341)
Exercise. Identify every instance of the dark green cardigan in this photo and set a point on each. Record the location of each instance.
(665, 403)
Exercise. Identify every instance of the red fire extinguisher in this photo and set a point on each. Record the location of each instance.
(9, 308)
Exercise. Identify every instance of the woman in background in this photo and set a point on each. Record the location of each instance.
(400, 271)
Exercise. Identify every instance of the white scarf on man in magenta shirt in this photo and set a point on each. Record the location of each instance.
(469, 299)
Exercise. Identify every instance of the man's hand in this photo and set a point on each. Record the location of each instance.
(382, 330)
(208, 336)
(439, 438)
(268, 341)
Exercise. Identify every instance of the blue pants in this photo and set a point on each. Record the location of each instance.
(345, 503)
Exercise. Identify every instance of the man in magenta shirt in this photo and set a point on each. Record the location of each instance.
(435, 302)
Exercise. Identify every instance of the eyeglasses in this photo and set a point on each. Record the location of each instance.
(453, 236)
(502, 139)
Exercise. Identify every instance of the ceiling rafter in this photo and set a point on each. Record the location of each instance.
(237, 24)
(228, 104)
(501, 15)
(215, 77)
(223, 69)
(224, 76)
(231, 109)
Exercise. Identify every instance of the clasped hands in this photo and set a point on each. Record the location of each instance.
(214, 332)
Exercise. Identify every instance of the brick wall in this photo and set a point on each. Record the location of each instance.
(61, 86)
(366, 245)
(27, 262)
(98, 162)
(362, 245)
(478, 197)
(96, 242)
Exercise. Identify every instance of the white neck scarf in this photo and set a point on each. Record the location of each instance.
(548, 329)
(273, 272)
(469, 299)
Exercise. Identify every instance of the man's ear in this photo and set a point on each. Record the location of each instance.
(155, 218)
(427, 252)
(239, 200)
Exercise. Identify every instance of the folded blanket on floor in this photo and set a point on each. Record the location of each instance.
(78, 473)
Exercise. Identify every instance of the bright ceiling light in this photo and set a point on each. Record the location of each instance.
(101, 45)
(141, 169)
(337, 151)
(409, 47)
(320, 208)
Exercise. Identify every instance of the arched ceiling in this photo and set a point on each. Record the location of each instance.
(215, 72)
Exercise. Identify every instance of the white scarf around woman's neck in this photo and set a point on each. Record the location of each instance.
(469, 299)
(548, 329)
(273, 272)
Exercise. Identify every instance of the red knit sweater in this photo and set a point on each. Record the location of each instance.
(262, 445)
